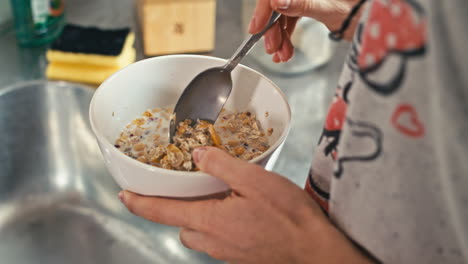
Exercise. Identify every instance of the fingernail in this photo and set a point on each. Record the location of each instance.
(280, 55)
(276, 58)
(198, 154)
(121, 196)
(252, 25)
(283, 4)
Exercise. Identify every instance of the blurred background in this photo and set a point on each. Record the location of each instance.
(58, 203)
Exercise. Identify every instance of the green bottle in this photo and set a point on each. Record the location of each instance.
(37, 22)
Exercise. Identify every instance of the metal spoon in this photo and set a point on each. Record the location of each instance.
(206, 94)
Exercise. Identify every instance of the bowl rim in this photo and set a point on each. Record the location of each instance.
(103, 140)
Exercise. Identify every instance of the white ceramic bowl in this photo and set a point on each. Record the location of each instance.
(158, 82)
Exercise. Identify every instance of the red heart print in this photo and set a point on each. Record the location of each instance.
(415, 128)
(336, 114)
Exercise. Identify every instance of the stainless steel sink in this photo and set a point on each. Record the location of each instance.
(58, 204)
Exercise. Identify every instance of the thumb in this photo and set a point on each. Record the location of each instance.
(220, 164)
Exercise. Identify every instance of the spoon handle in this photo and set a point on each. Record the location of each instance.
(249, 43)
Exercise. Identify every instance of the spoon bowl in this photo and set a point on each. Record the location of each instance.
(205, 96)
(206, 93)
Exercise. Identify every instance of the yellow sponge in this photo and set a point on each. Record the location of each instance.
(85, 73)
(94, 59)
(89, 54)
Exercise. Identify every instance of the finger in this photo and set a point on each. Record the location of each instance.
(235, 172)
(261, 16)
(287, 49)
(193, 214)
(287, 25)
(291, 24)
(273, 38)
(204, 242)
(276, 58)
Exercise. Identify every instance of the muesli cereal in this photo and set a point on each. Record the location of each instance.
(146, 138)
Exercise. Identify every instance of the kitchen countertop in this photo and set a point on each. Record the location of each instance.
(308, 94)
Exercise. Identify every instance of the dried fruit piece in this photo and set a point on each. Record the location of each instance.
(138, 121)
(239, 150)
(181, 130)
(214, 136)
(262, 148)
(270, 131)
(233, 143)
(139, 146)
(203, 124)
(173, 148)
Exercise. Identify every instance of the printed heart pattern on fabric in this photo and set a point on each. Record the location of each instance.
(361, 131)
(414, 128)
(335, 121)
